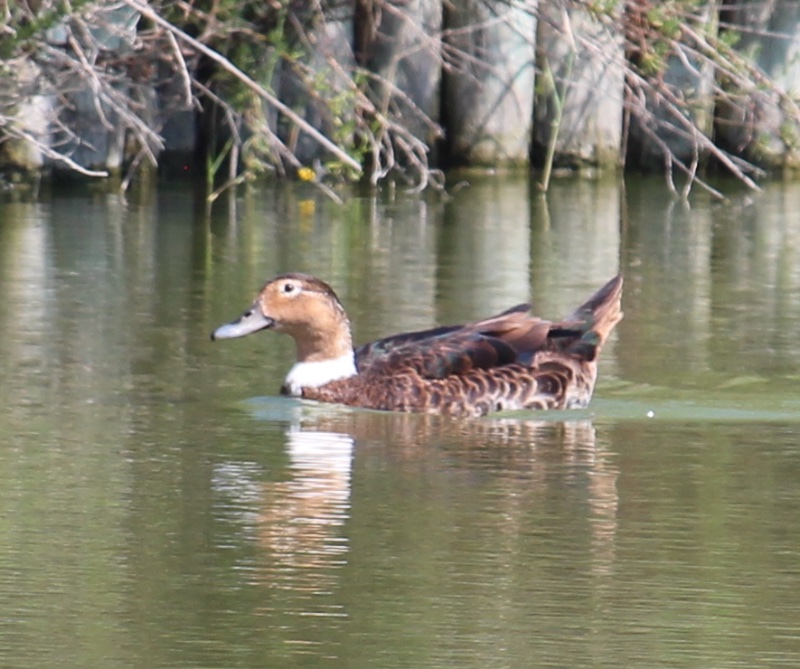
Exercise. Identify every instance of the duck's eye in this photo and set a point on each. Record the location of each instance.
(288, 288)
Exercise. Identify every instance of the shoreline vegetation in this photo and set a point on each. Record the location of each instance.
(376, 90)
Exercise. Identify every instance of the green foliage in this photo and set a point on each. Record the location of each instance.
(25, 27)
(653, 28)
(790, 134)
(603, 8)
(730, 38)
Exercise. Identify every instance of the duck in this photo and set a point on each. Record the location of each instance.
(510, 361)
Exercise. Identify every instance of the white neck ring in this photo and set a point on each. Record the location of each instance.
(319, 373)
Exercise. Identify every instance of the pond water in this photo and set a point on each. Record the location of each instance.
(161, 507)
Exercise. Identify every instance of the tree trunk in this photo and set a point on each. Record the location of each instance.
(489, 84)
(581, 64)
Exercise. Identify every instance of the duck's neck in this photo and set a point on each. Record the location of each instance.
(317, 373)
(324, 352)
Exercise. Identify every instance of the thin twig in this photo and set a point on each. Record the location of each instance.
(246, 80)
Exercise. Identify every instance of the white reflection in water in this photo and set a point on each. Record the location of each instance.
(297, 522)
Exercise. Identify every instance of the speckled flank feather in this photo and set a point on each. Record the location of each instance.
(509, 361)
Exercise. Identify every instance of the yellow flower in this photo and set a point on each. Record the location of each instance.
(306, 174)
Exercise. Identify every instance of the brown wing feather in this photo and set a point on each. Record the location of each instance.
(511, 336)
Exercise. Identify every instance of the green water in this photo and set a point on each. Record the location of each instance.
(161, 507)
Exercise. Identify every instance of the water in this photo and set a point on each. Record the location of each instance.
(161, 507)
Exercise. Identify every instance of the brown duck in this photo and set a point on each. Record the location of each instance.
(505, 362)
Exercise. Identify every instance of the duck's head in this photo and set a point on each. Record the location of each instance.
(301, 306)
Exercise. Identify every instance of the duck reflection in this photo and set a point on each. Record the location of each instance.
(306, 523)
(301, 519)
(298, 520)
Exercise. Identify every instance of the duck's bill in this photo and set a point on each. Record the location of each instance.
(251, 321)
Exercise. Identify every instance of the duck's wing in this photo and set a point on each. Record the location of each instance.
(509, 337)
(456, 353)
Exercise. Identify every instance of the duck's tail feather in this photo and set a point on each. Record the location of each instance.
(595, 319)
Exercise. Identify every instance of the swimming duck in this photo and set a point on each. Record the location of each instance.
(509, 361)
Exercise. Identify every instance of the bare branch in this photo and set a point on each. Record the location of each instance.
(50, 153)
(247, 81)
